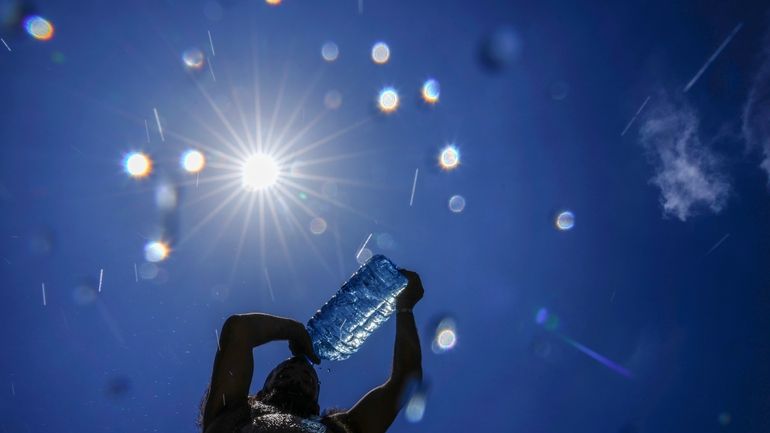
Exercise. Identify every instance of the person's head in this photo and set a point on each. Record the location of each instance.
(292, 386)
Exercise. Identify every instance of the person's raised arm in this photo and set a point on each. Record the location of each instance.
(234, 361)
(375, 412)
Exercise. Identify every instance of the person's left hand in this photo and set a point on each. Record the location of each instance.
(300, 343)
(411, 295)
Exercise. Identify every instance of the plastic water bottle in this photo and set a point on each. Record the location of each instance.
(362, 304)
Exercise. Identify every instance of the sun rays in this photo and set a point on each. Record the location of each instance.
(253, 169)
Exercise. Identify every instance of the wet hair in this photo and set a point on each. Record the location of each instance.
(303, 407)
(202, 408)
(283, 364)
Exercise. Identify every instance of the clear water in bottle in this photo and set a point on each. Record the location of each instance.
(362, 304)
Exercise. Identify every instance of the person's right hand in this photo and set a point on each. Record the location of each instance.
(300, 343)
(411, 295)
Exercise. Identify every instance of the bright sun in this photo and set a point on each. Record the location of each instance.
(259, 172)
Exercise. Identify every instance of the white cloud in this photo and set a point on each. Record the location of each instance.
(756, 112)
(686, 171)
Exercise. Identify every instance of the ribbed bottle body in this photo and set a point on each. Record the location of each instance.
(362, 304)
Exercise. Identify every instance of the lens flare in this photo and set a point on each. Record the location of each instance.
(565, 221)
(559, 90)
(364, 255)
(386, 241)
(431, 91)
(601, 359)
(317, 225)
(39, 28)
(259, 172)
(166, 196)
(84, 294)
(273, 2)
(415, 409)
(388, 100)
(137, 164)
(333, 99)
(445, 337)
(193, 58)
(193, 161)
(724, 418)
(380, 53)
(330, 51)
(457, 203)
(450, 158)
(551, 322)
(156, 251)
(148, 271)
(501, 48)
(546, 319)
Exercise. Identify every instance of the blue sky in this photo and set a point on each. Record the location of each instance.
(637, 279)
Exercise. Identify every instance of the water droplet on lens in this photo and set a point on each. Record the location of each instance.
(380, 53)
(500, 49)
(118, 387)
(333, 99)
(330, 51)
(559, 90)
(318, 225)
(84, 293)
(41, 242)
(364, 255)
(193, 58)
(565, 221)
(457, 203)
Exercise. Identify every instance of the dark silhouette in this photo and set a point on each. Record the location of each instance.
(288, 400)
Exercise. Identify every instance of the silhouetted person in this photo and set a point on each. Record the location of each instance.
(288, 401)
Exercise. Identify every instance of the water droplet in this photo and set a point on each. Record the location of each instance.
(330, 51)
(457, 203)
(380, 53)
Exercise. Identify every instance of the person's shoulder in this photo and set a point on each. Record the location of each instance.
(336, 421)
(230, 420)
